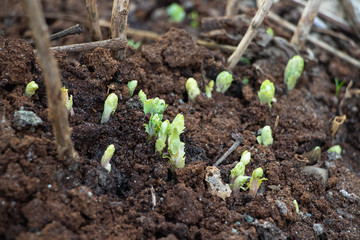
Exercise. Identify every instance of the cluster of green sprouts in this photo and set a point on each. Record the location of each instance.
(238, 179)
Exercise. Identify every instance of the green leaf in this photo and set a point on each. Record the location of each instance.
(265, 138)
(176, 12)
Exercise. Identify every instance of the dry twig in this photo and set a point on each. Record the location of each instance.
(250, 33)
(238, 139)
(57, 111)
(76, 29)
(118, 26)
(307, 18)
(230, 7)
(93, 18)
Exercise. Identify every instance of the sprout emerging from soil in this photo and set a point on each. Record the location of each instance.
(154, 106)
(194, 16)
(142, 96)
(223, 81)
(256, 181)
(109, 107)
(105, 160)
(265, 138)
(176, 12)
(68, 100)
(176, 148)
(192, 89)
(267, 91)
(209, 88)
(162, 136)
(237, 176)
(296, 206)
(293, 71)
(336, 149)
(132, 85)
(338, 86)
(154, 125)
(30, 89)
(270, 31)
(134, 44)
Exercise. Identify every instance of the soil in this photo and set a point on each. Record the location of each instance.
(140, 198)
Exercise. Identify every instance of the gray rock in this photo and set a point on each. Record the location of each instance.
(318, 229)
(24, 118)
(269, 231)
(282, 207)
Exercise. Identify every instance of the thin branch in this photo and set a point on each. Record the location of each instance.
(57, 111)
(250, 33)
(230, 7)
(238, 139)
(93, 18)
(118, 26)
(76, 29)
(307, 18)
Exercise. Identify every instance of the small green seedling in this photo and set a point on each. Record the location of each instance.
(105, 160)
(296, 206)
(30, 89)
(154, 106)
(256, 181)
(109, 107)
(162, 136)
(267, 91)
(237, 176)
(209, 88)
(293, 71)
(223, 81)
(245, 80)
(178, 123)
(338, 86)
(142, 96)
(265, 138)
(176, 12)
(154, 125)
(176, 148)
(192, 89)
(68, 100)
(194, 16)
(132, 85)
(270, 31)
(134, 44)
(336, 149)
(244, 60)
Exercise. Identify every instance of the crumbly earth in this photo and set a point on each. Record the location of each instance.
(140, 198)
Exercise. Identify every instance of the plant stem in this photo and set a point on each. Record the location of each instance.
(93, 18)
(76, 29)
(230, 7)
(118, 25)
(57, 111)
(250, 33)
(307, 18)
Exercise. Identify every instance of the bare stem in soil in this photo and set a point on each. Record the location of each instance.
(57, 111)
(230, 7)
(250, 33)
(76, 29)
(307, 18)
(238, 139)
(93, 18)
(118, 26)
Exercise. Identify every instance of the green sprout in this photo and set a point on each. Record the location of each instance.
(223, 81)
(267, 91)
(162, 136)
(245, 80)
(296, 206)
(154, 125)
(256, 181)
(270, 31)
(105, 160)
(176, 12)
(265, 138)
(293, 71)
(176, 148)
(30, 89)
(336, 149)
(142, 96)
(237, 176)
(192, 89)
(194, 16)
(338, 86)
(244, 60)
(154, 106)
(68, 100)
(132, 85)
(134, 44)
(209, 88)
(109, 107)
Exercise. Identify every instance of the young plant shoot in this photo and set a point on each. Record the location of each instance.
(105, 160)
(338, 86)
(237, 176)
(109, 107)
(30, 89)
(134, 44)
(142, 96)
(293, 71)
(154, 125)
(336, 149)
(176, 148)
(68, 100)
(162, 136)
(176, 12)
(209, 88)
(265, 137)
(267, 91)
(192, 89)
(132, 85)
(296, 206)
(256, 181)
(154, 106)
(223, 81)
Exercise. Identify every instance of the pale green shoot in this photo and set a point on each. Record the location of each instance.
(223, 81)
(176, 149)
(134, 44)
(336, 149)
(154, 125)
(237, 176)
(154, 106)
(265, 138)
(293, 71)
(132, 85)
(105, 160)
(267, 91)
(176, 12)
(142, 96)
(30, 89)
(209, 88)
(67, 100)
(296, 206)
(256, 181)
(192, 89)
(270, 31)
(109, 107)
(178, 124)
(162, 136)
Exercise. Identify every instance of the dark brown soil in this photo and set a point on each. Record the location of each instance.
(41, 199)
